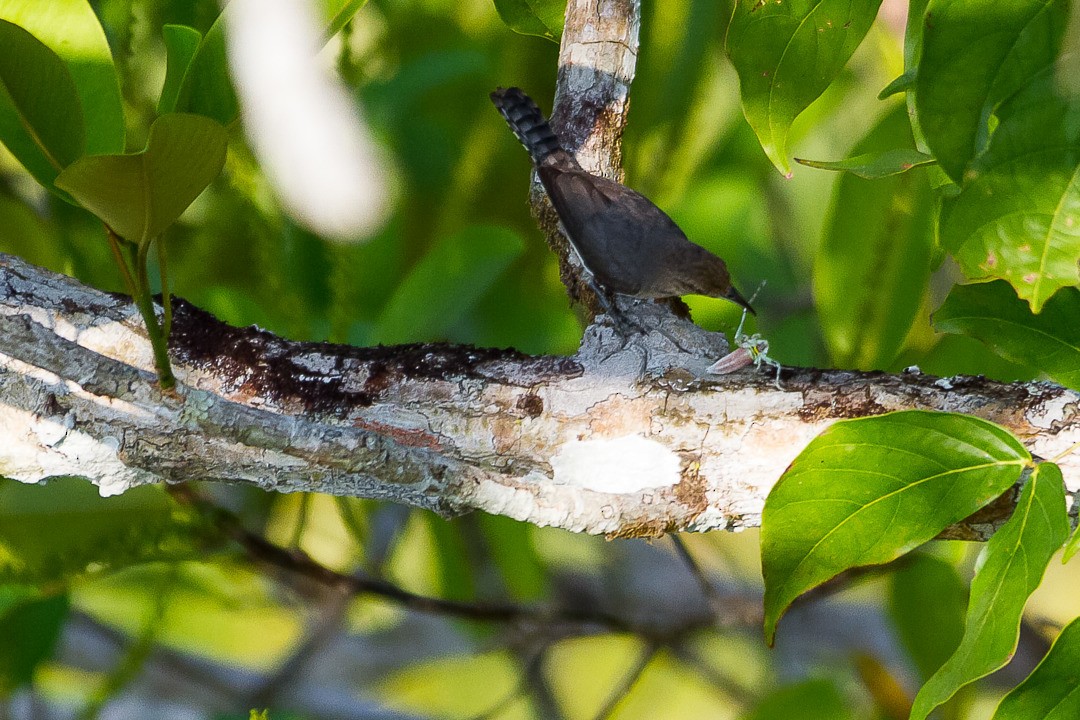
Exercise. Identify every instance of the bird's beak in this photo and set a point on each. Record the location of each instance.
(736, 297)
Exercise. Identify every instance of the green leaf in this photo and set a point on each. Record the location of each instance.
(206, 89)
(510, 544)
(543, 18)
(142, 194)
(181, 44)
(338, 12)
(875, 165)
(1018, 215)
(87, 530)
(927, 598)
(446, 283)
(1011, 567)
(1052, 690)
(866, 491)
(71, 29)
(816, 699)
(901, 84)
(873, 269)
(41, 120)
(786, 54)
(1071, 547)
(991, 313)
(29, 629)
(973, 59)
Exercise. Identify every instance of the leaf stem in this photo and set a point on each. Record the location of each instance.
(1067, 451)
(137, 282)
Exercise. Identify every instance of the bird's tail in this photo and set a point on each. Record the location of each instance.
(527, 122)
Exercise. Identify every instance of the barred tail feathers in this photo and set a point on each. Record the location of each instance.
(527, 122)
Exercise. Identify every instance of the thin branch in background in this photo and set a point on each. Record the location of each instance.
(546, 704)
(735, 691)
(712, 595)
(631, 679)
(133, 660)
(323, 631)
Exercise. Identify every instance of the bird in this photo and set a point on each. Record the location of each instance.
(625, 243)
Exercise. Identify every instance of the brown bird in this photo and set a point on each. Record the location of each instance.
(625, 242)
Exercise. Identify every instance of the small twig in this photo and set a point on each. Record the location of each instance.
(647, 654)
(712, 596)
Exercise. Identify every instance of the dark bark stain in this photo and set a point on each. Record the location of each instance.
(331, 379)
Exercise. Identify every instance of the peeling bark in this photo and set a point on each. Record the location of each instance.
(625, 439)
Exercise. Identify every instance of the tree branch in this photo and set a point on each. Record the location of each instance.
(626, 439)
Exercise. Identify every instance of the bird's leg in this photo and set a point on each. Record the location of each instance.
(623, 325)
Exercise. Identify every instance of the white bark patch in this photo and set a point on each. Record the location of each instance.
(627, 464)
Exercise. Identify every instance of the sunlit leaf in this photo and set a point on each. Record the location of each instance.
(337, 13)
(873, 267)
(87, 531)
(181, 44)
(866, 491)
(207, 88)
(533, 17)
(1018, 216)
(1052, 690)
(991, 312)
(41, 120)
(974, 56)
(461, 686)
(872, 166)
(29, 629)
(1012, 566)
(222, 611)
(786, 54)
(456, 272)
(817, 699)
(927, 599)
(140, 195)
(71, 29)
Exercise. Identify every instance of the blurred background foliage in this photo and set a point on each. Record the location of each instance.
(460, 260)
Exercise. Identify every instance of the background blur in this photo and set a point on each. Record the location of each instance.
(169, 628)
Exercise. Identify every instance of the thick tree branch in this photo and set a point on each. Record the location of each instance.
(629, 440)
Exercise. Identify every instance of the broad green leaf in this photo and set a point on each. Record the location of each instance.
(142, 194)
(1052, 690)
(873, 268)
(974, 56)
(866, 491)
(816, 699)
(441, 288)
(41, 120)
(224, 611)
(786, 54)
(875, 165)
(1018, 215)
(927, 598)
(913, 34)
(181, 44)
(1011, 567)
(456, 573)
(1071, 547)
(510, 544)
(71, 29)
(207, 89)
(533, 17)
(991, 313)
(87, 530)
(29, 630)
(338, 12)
